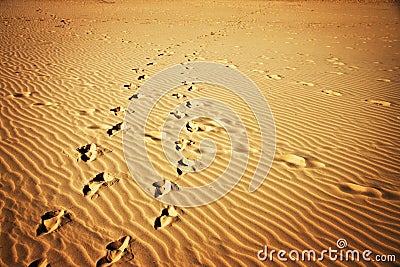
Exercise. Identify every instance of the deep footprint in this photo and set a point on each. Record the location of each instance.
(115, 129)
(102, 181)
(52, 221)
(116, 251)
(169, 215)
(91, 152)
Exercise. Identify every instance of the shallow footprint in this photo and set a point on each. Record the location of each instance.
(53, 220)
(305, 83)
(275, 76)
(86, 112)
(115, 251)
(369, 191)
(300, 162)
(351, 188)
(383, 80)
(331, 92)
(379, 102)
(101, 181)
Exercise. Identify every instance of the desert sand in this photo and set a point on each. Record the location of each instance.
(330, 71)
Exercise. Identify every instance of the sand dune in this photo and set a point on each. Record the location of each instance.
(330, 71)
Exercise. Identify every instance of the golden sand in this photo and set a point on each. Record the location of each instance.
(329, 70)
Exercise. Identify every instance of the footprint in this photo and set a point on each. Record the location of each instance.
(164, 187)
(42, 104)
(383, 80)
(379, 102)
(136, 96)
(131, 86)
(337, 72)
(115, 129)
(97, 127)
(53, 220)
(91, 151)
(359, 189)
(331, 92)
(154, 135)
(369, 191)
(183, 143)
(22, 94)
(193, 88)
(275, 76)
(300, 162)
(115, 251)
(89, 111)
(258, 71)
(192, 126)
(335, 61)
(137, 70)
(305, 83)
(143, 77)
(179, 115)
(178, 95)
(101, 181)
(169, 215)
(116, 111)
(39, 263)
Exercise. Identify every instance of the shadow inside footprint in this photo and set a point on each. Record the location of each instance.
(52, 221)
(39, 263)
(23, 94)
